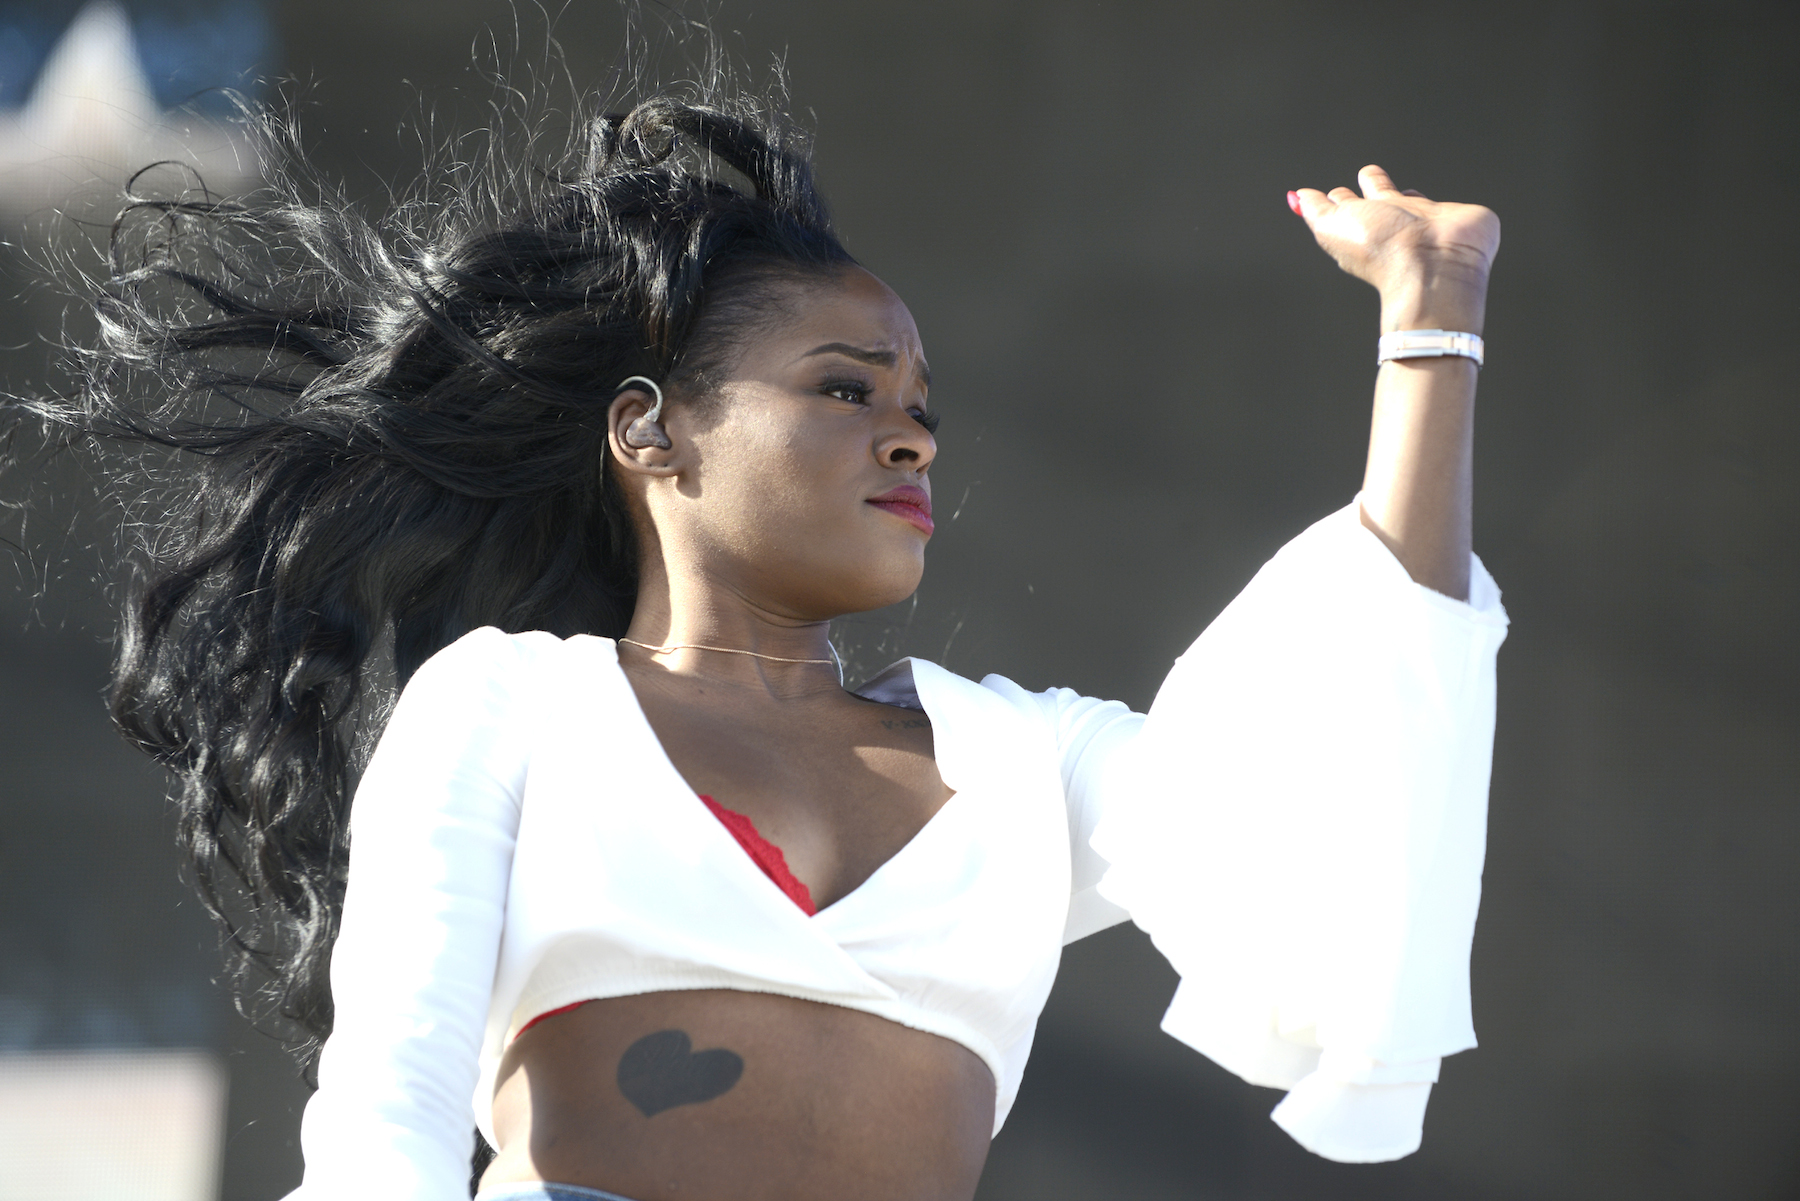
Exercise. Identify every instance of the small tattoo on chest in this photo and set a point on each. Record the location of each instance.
(662, 1070)
(906, 723)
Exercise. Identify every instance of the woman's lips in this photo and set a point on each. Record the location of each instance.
(908, 504)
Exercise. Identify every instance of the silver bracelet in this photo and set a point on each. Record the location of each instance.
(1429, 344)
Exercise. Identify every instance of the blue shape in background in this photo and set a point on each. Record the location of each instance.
(189, 49)
(26, 36)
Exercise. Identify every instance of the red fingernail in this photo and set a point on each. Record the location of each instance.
(1294, 201)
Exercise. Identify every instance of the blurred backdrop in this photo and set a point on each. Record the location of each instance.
(1150, 379)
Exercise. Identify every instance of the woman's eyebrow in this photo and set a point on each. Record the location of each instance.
(875, 358)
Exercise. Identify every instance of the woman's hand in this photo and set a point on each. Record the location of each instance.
(1429, 260)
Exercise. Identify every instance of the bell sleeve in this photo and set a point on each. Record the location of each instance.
(1299, 824)
(432, 832)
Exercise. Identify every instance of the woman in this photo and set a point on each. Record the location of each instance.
(634, 884)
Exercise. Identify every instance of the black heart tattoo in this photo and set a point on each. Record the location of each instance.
(662, 1070)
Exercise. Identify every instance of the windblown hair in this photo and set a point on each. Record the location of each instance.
(398, 431)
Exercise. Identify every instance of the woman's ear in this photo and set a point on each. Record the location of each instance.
(635, 429)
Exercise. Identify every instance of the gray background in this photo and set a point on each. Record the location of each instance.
(1150, 379)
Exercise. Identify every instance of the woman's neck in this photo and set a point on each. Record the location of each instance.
(696, 628)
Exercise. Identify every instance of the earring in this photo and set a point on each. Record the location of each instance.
(645, 432)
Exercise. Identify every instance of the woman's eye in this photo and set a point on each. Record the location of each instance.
(852, 392)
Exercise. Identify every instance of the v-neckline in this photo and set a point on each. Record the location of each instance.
(718, 829)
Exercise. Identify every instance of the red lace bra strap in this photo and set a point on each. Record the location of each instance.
(765, 854)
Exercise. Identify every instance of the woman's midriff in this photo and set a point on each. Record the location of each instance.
(718, 1095)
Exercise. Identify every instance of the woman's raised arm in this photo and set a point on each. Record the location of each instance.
(1430, 262)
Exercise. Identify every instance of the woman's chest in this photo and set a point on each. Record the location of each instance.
(610, 817)
(973, 830)
(839, 787)
(631, 865)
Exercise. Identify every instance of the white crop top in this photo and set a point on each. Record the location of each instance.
(1298, 824)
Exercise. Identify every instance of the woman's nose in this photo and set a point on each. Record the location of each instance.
(906, 443)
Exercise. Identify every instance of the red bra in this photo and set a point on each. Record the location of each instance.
(764, 853)
(767, 855)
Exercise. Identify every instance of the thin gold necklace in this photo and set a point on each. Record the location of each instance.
(725, 650)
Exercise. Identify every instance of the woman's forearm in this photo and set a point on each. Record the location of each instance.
(1418, 486)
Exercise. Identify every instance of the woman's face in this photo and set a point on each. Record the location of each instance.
(802, 486)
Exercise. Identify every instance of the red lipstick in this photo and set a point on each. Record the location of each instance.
(909, 504)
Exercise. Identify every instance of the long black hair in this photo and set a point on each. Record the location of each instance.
(398, 433)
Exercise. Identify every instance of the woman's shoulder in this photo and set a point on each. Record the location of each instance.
(496, 689)
(489, 649)
(922, 684)
(492, 662)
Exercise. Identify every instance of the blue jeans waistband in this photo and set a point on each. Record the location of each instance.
(545, 1191)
